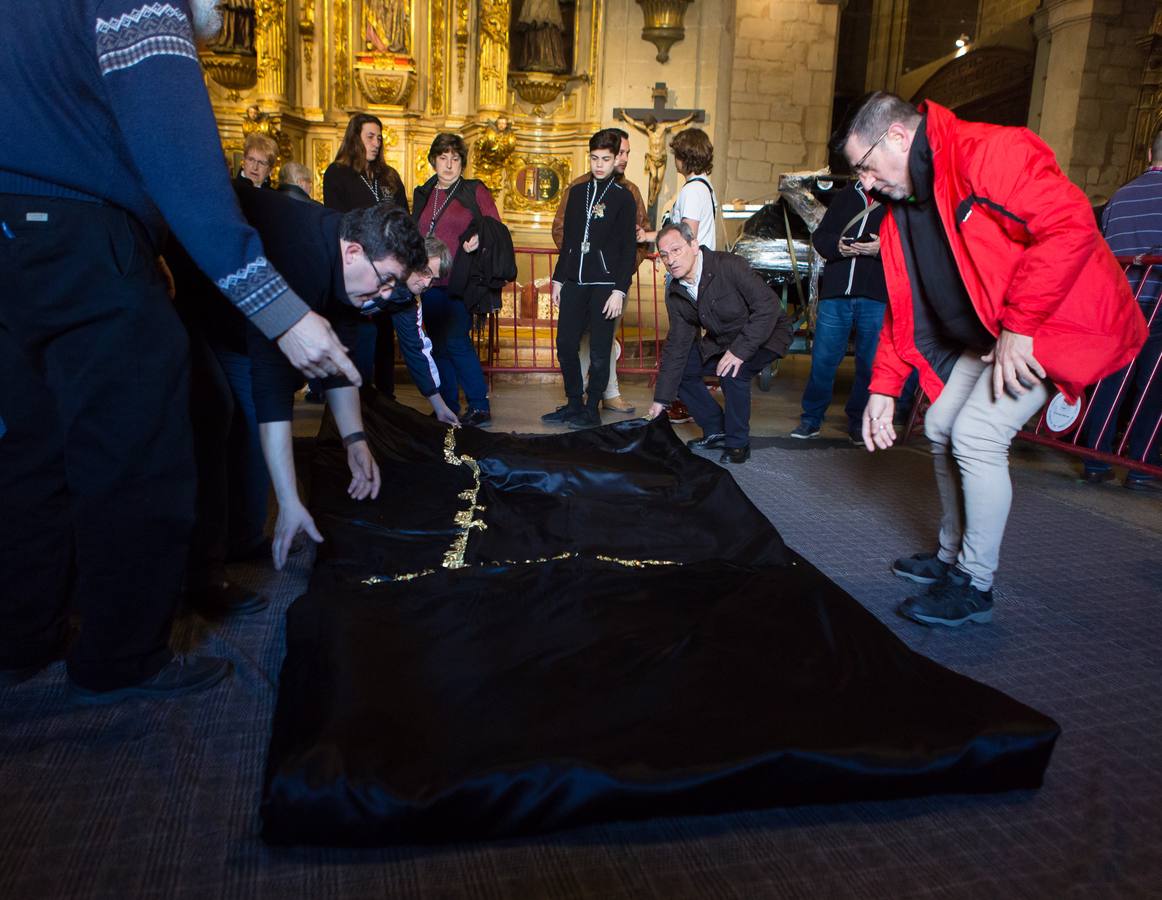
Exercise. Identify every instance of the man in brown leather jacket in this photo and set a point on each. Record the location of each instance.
(724, 321)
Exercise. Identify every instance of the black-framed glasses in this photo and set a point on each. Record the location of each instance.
(257, 162)
(381, 281)
(857, 168)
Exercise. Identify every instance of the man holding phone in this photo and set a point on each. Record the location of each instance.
(852, 296)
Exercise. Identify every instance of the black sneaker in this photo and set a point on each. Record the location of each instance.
(586, 418)
(806, 432)
(708, 442)
(922, 568)
(476, 418)
(561, 413)
(951, 601)
(180, 676)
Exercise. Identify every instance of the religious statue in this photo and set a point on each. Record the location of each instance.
(255, 120)
(492, 150)
(539, 41)
(237, 34)
(655, 133)
(386, 26)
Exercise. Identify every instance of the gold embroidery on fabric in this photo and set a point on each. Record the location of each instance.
(466, 520)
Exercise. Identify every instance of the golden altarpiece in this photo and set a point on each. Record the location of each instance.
(521, 88)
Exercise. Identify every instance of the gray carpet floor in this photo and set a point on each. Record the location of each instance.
(161, 800)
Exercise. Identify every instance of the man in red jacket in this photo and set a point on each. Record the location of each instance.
(998, 283)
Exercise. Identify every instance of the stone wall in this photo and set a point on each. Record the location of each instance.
(697, 76)
(1110, 85)
(782, 85)
(996, 14)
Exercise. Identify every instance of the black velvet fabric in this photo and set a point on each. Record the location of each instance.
(549, 683)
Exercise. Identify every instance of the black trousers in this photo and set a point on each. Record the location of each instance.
(581, 311)
(96, 464)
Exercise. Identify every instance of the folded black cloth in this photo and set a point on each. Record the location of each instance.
(574, 670)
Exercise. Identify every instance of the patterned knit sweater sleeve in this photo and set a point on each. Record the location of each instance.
(148, 69)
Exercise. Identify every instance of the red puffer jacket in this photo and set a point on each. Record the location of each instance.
(1029, 252)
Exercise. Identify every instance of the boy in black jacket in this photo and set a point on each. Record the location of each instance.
(597, 261)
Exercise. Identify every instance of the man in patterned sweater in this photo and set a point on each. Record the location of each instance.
(96, 466)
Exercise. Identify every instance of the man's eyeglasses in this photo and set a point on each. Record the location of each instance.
(261, 163)
(376, 300)
(382, 281)
(857, 168)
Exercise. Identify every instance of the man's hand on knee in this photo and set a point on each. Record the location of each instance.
(728, 366)
(1015, 368)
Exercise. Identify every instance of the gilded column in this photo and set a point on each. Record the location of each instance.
(342, 58)
(270, 43)
(437, 41)
(494, 16)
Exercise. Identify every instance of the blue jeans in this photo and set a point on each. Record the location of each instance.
(1102, 404)
(449, 326)
(833, 326)
(735, 424)
(247, 477)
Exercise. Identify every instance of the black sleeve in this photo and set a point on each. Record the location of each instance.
(679, 345)
(827, 235)
(399, 194)
(761, 304)
(273, 380)
(346, 323)
(337, 188)
(625, 243)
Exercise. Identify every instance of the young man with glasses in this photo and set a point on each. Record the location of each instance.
(342, 265)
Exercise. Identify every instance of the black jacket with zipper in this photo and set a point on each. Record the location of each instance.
(850, 276)
(736, 310)
(612, 255)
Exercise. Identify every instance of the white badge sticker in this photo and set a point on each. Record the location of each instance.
(1060, 414)
(36, 217)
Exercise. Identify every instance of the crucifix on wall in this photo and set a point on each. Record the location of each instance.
(655, 123)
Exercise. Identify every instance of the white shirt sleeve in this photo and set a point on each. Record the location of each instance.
(695, 201)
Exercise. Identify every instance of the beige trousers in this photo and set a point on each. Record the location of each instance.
(971, 431)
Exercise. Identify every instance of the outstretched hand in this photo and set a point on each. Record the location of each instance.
(292, 518)
(364, 472)
(312, 348)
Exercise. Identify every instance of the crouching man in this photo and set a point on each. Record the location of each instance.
(724, 321)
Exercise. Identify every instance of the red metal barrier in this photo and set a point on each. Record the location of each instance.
(1071, 439)
(517, 341)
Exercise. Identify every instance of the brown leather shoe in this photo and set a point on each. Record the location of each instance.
(678, 413)
(618, 404)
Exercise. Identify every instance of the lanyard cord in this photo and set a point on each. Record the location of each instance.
(438, 211)
(589, 204)
(372, 186)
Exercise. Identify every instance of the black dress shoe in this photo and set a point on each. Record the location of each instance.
(561, 413)
(476, 418)
(181, 675)
(707, 441)
(735, 454)
(226, 599)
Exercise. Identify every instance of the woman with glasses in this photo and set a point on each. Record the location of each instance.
(446, 206)
(259, 155)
